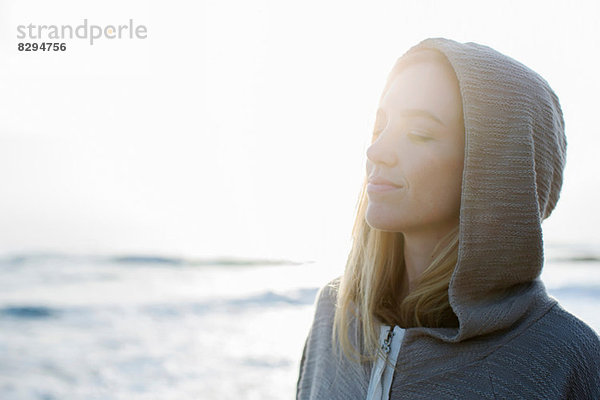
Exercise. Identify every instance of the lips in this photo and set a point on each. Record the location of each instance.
(380, 186)
(377, 180)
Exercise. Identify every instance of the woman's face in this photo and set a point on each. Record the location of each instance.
(419, 147)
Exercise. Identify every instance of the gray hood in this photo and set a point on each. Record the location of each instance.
(515, 149)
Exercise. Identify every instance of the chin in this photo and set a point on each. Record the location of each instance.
(382, 224)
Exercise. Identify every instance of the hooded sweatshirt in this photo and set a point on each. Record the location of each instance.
(513, 341)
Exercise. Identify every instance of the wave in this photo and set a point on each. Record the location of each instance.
(139, 259)
(295, 297)
(28, 312)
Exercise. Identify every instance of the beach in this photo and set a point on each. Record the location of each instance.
(159, 328)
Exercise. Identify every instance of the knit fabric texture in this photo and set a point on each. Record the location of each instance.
(513, 340)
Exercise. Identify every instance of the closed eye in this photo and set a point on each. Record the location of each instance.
(415, 136)
(420, 138)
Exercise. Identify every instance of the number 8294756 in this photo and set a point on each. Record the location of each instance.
(44, 46)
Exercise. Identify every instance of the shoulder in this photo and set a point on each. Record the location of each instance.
(576, 341)
(560, 335)
(571, 332)
(325, 301)
(328, 292)
(558, 354)
(575, 346)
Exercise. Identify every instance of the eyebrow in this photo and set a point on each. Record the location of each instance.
(418, 113)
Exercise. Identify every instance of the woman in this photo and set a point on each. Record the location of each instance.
(441, 296)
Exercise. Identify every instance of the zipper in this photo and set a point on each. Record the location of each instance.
(382, 372)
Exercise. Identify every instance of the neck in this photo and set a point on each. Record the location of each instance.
(418, 253)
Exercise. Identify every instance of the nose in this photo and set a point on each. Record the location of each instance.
(380, 152)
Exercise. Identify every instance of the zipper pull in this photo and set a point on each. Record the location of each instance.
(388, 341)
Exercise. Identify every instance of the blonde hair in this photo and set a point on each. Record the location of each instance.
(369, 289)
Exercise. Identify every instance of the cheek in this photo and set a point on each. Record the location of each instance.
(439, 181)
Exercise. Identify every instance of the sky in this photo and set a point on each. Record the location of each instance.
(239, 128)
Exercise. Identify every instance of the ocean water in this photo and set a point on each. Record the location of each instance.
(159, 328)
